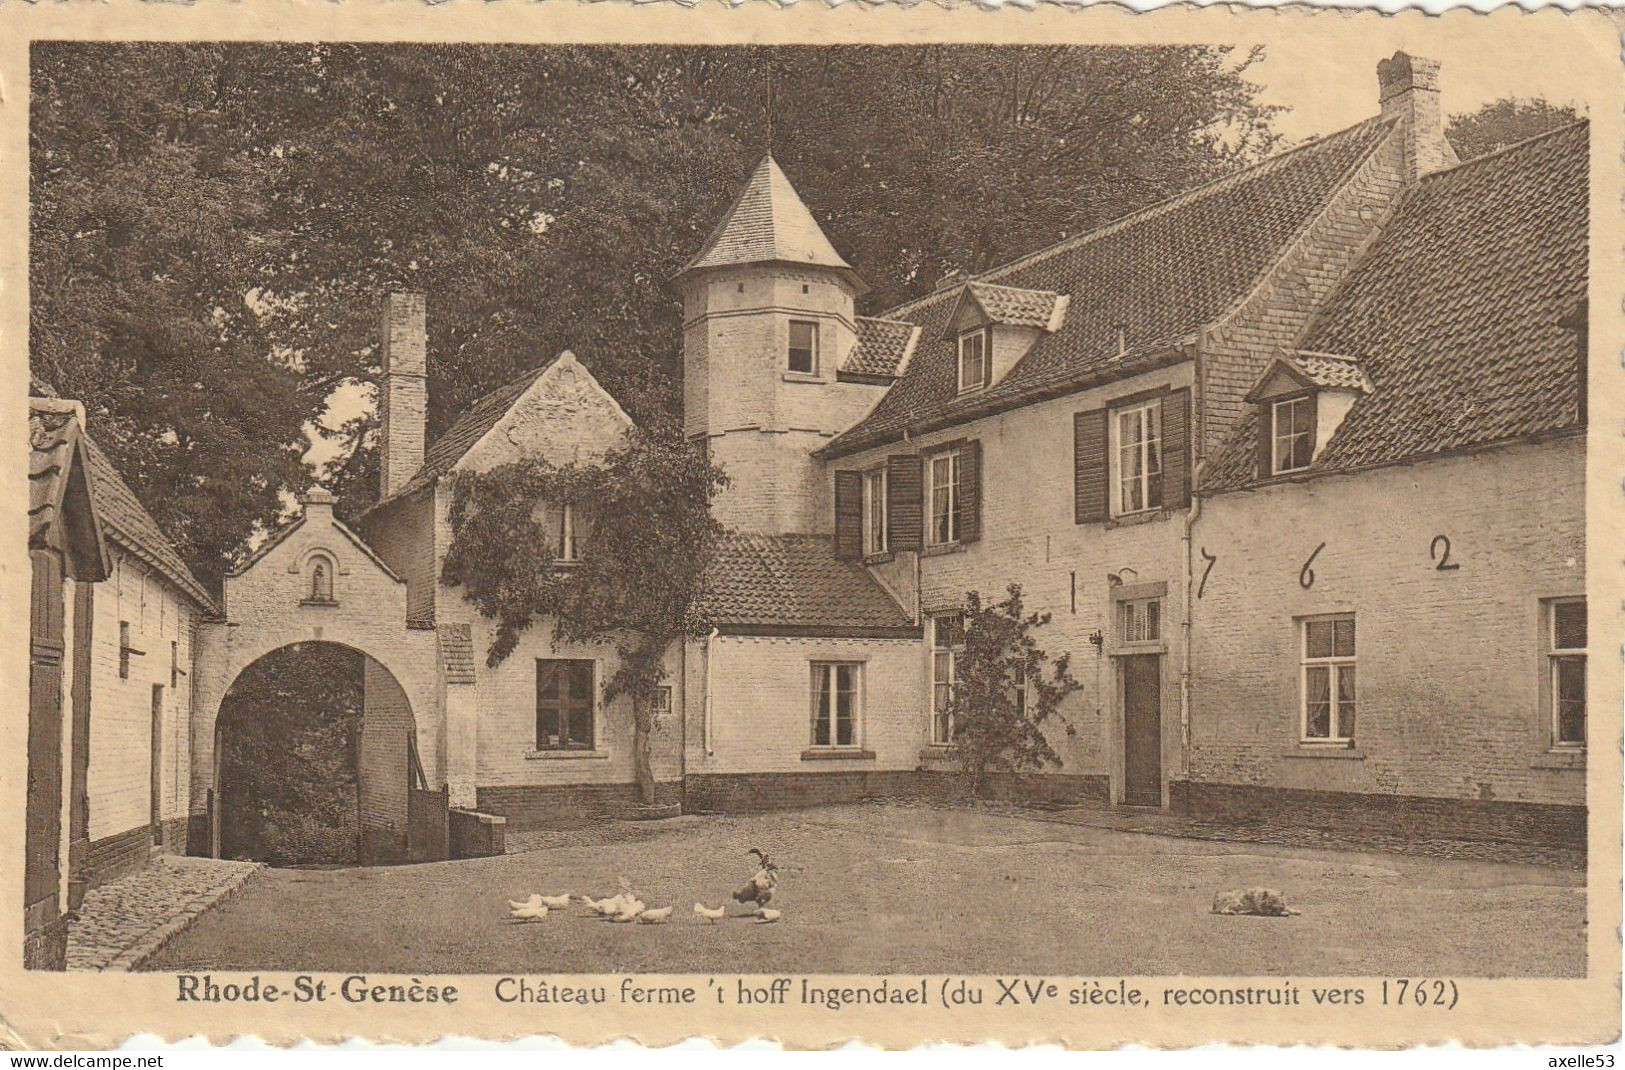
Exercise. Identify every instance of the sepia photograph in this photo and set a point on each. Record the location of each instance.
(550, 510)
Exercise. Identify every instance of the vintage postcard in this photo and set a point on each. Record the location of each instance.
(816, 523)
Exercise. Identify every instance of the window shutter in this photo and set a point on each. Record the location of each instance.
(905, 500)
(1090, 468)
(1176, 463)
(849, 515)
(1266, 422)
(970, 491)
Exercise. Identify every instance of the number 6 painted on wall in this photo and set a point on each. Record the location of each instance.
(1306, 578)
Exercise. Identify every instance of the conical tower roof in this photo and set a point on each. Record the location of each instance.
(769, 223)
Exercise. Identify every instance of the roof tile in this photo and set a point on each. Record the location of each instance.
(794, 581)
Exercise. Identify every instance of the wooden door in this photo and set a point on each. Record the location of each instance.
(157, 770)
(1142, 730)
(43, 835)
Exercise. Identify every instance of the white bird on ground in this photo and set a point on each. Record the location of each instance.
(535, 900)
(709, 914)
(595, 905)
(655, 917)
(767, 915)
(528, 912)
(554, 902)
(630, 910)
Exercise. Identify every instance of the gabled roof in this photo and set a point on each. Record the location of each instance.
(769, 223)
(883, 348)
(442, 456)
(1138, 289)
(130, 525)
(794, 584)
(61, 508)
(1461, 314)
(1325, 371)
(1011, 306)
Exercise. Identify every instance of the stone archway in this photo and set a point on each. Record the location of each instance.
(315, 748)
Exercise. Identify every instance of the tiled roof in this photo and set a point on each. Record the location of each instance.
(130, 525)
(1156, 276)
(1015, 307)
(1331, 371)
(769, 222)
(795, 583)
(442, 456)
(53, 442)
(883, 346)
(1457, 313)
(457, 653)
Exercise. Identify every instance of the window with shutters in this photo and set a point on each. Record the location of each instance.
(974, 359)
(1291, 435)
(947, 639)
(564, 704)
(1566, 672)
(874, 512)
(942, 498)
(803, 347)
(1327, 678)
(1136, 455)
(835, 704)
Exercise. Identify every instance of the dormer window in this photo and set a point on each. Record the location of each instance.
(1292, 434)
(975, 361)
(803, 358)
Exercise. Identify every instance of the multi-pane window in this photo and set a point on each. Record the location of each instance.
(1328, 679)
(834, 704)
(973, 360)
(1567, 662)
(564, 704)
(1137, 449)
(662, 705)
(874, 511)
(947, 638)
(803, 346)
(942, 505)
(1291, 445)
(567, 543)
(1140, 620)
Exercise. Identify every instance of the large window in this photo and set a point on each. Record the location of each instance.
(564, 704)
(804, 347)
(942, 492)
(947, 637)
(1137, 455)
(874, 511)
(834, 704)
(1566, 657)
(1328, 679)
(974, 362)
(1291, 440)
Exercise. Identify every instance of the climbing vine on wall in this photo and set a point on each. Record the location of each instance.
(644, 534)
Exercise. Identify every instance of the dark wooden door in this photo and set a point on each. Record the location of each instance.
(43, 835)
(157, 771)
(1142, 730)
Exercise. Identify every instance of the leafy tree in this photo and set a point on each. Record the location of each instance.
(645, 511)
(212, 224)
(1006, 688)
(1504, 122)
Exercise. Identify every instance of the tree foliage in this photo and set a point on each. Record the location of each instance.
(1504, 122)
(1006, 689)
(213, 224)
(644, 519)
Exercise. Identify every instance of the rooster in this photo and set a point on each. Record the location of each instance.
(759, 889)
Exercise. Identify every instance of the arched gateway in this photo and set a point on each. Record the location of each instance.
(316, 581)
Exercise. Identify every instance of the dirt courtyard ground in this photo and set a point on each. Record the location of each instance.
(908, 889)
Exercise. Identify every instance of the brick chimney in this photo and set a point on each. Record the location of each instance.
(403, 403)
(1409, 91)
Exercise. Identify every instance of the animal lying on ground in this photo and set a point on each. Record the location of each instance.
(654, 917)
(1264, 902)
(710, 914)
(765, 915)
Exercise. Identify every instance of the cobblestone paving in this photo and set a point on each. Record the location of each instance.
(123, 922)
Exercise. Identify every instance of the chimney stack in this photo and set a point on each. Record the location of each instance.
(403, 403)
(1409, 90)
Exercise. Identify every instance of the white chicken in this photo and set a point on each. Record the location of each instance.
(766, 915)
(630, 909)
(554, 902)
(709, 914)
(528, 912)
(654, 917)
(597, 906)
(534, 901)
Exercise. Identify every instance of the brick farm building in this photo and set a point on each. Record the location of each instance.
(1252, 447)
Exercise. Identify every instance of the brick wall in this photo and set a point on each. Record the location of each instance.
(1236, 350)
(404, 398)
(562, 805)
(121, 724)
(402, 533)
(1449, 663)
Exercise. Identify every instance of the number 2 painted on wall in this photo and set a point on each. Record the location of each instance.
(1439, 551)
(1306, 578)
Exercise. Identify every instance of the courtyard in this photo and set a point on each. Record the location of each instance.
(906, 889)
